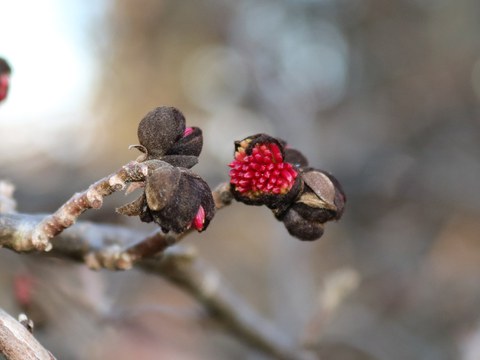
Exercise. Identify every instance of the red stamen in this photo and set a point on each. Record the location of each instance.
(287, 175)
(264, 171)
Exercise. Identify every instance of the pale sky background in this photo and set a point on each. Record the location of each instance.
(47, 44)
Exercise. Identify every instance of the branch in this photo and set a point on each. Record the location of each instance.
(17, 343)
(92, 198)
(158, 241)
(222, 195)
(113, 247)
(105, 246)
(207, 286)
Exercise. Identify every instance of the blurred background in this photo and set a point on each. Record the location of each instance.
(384, 95)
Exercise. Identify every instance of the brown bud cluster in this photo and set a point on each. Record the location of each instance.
(267, 172)
(174, 197)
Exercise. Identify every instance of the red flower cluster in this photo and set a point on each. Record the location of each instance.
(263, 171)
(266, 172)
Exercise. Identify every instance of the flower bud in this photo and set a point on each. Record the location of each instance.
(161, 186)
(162, 135)
(266, 171)
(300, 227)
(321, 200)
(191, 204)
(160, 129)
(190, 144)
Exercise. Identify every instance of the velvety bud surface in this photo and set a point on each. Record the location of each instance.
(189, 144)
(161, 186)
(160, 129)
(185, 161)
(302, 228)
(162, 135)
(189, 201)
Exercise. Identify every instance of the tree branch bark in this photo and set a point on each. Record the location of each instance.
(92, 198)
(17, 343)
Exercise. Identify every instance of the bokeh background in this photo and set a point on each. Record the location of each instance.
(383, 94)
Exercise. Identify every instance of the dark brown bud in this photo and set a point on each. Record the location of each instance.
(177, 199)
(160, 129)
(300, 227)
(295, 157)
(163, 135)
(321, 200)
(190, 144)
(4, 67)
(185, 161)
(306, 207)
(161, 186)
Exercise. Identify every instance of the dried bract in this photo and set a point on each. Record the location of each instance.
(177, 199)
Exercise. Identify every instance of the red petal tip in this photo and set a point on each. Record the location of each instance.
(187, 131)
(199, 219)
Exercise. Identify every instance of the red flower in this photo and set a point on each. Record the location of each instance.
(261, 172)
(260, 175)
(266, 172)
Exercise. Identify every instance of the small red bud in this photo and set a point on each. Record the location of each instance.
(4, 83)
(187, 131)
(199, 219)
